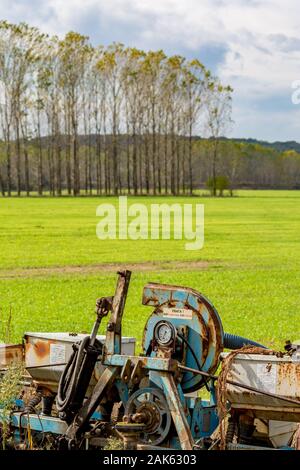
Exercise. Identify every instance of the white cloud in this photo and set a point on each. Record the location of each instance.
(262, 40)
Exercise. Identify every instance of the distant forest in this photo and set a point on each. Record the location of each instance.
(78, 119)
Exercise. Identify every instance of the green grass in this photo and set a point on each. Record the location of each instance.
(252, 246)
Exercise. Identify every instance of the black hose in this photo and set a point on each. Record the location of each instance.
(30, 409)
(191, 349)
(33, 402)
(237, 342)
(195, 357)
(67, 386)
(75, 379)
(230, 431)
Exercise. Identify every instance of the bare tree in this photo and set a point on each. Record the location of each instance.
(73, 52)
(218, 120)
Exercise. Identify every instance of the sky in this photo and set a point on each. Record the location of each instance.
(252, 45)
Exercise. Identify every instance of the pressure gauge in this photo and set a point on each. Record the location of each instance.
(164, 333)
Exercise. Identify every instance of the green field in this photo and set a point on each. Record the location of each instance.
(53, 267)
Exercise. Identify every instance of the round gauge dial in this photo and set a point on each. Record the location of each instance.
(164, 333)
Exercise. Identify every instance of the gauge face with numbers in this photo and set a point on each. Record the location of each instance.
(164, 333)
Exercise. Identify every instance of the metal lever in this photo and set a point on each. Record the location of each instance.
(103, 307)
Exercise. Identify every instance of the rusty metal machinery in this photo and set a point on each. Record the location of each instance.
(148, 407)
(89, 388)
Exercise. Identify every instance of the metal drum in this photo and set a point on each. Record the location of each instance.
(190, 311)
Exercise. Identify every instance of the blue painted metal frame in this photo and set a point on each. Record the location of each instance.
(39, 422)
(193, 418)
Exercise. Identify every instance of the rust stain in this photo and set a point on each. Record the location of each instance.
(42, 348)
(298, 373)
(286, 374)
(10, 353)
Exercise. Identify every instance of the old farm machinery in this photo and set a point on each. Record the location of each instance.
(81, 391)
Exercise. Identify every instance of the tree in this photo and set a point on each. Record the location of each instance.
(73, 50)
(18, 54)
(194, 88)
(111, 66)
(218, 120)
(133, 87)
(152, 79)
(172, 102)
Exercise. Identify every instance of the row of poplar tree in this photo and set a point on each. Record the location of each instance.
(102, 120)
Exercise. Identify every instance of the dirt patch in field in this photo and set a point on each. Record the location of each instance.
(104, 268)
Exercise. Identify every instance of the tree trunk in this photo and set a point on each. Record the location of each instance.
(214, 176)
(166, 161)
(134, 164)
(86, 159)
(183, 163)
(75, 165)
(177, 164)
(2, 185)
(98, 163)
(106, 167)
(58, 165)
(68, 151)
(190, 162)
(8, 165)
(153, 158)
(158, 161)
(27, 183)
(173, 144)
(147, 163)
(90, 181)
(40, 163)
(18, 152)
(140, 156)
(68, 165)
(115, 154)
(128, 161)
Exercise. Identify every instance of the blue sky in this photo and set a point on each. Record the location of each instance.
(252, 45)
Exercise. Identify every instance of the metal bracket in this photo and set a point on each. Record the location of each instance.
(126, 371)
(137, 374)
(114, 329)
(177, 411)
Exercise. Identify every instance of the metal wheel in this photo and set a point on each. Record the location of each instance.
(151, 403)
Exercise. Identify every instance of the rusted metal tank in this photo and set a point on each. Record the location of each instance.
(276, 375)
(44, 350)
(10, 353)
